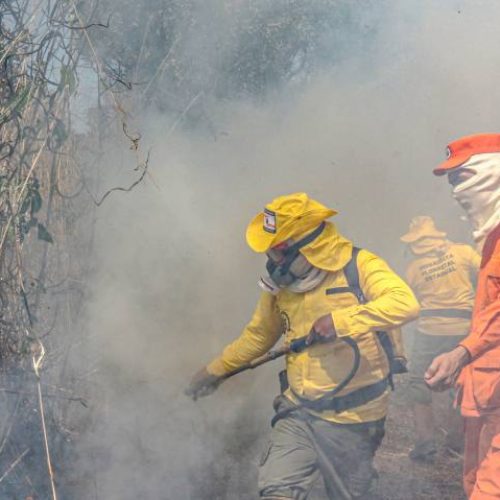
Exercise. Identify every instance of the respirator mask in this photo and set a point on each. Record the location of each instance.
(288, 268)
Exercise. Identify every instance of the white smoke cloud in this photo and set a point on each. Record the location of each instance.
(175, 280)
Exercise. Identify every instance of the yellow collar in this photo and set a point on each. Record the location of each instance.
(329, 251)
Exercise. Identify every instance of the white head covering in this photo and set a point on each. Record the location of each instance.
(479, 195)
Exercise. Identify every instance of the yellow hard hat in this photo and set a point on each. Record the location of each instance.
(422, 226)
(286, 217)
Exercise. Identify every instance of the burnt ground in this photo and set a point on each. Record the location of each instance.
(402, 479)
(230, 472)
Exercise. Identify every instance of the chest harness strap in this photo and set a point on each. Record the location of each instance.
(365, 394)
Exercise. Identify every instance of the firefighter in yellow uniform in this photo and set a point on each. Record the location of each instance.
(330, 418)
(442, 275)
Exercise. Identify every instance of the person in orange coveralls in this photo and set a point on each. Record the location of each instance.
(473, 169)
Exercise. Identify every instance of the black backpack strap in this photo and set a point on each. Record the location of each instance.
(351, 273)
(386, 344)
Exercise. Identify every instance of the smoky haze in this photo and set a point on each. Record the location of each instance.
(174, 280)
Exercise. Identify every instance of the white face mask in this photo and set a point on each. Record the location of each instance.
(479, 195)
(307, 283)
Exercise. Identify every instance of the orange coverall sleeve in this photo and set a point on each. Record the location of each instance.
(474, 265)
(486, 327)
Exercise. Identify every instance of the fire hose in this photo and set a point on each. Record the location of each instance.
(298, 345)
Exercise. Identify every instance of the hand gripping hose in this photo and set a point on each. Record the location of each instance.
(299, 345)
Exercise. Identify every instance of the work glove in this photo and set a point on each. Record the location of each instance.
(202, 384)
(323, 330)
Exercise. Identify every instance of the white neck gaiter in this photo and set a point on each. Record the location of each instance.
(479, 196)
(309, 282)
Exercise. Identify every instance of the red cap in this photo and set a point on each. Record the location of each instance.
(458, 152)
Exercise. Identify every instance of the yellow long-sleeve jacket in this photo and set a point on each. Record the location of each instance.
(442, 276)
(316, 371)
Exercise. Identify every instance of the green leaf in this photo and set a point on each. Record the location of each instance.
(43, 234)
(36, 201)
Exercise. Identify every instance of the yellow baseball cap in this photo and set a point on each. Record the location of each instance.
(289, 216)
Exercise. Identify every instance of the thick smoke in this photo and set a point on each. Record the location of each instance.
(174, 279)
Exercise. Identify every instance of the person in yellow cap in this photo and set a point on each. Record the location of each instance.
(442, 275)
(330, 417)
